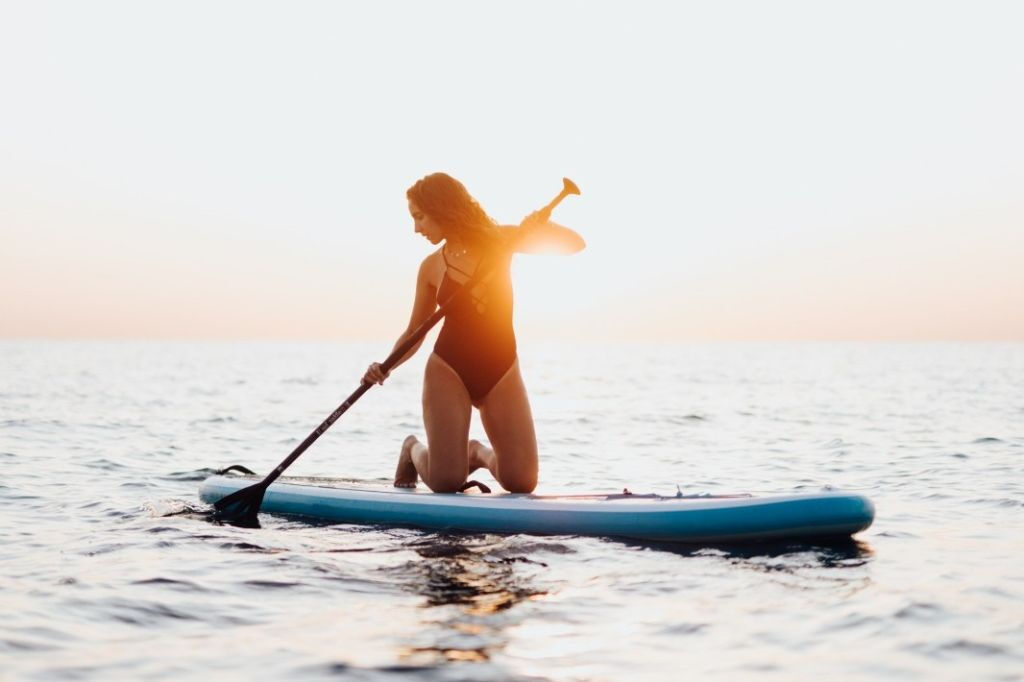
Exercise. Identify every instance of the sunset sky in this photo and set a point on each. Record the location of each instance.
(750, 171)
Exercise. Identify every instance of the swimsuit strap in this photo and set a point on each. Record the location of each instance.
(469, 275)
(456, 267)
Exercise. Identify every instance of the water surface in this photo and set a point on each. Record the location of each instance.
(101, 442)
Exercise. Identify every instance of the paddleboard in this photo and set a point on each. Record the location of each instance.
(678, 518)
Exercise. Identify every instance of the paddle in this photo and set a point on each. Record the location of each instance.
(241, 507)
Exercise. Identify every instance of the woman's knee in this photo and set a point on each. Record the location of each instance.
(446, 482)
(519, 481)
(446, 474)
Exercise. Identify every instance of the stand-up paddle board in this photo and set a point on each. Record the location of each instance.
(676, 518)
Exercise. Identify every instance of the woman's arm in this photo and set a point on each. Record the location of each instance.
(535, 235)
(423, 307)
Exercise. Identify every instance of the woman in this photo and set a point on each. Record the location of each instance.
(474, 363)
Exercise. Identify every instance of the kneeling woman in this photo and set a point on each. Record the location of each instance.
(474, 362)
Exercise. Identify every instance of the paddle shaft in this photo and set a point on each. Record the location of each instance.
(398, 353)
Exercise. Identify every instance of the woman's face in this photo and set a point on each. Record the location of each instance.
(425, 225)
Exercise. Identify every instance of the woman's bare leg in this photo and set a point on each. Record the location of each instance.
(443, 463)
(508, 421)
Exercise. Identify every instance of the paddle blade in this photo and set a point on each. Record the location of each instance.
(240, 508)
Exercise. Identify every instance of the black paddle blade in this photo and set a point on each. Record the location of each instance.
(240, 508)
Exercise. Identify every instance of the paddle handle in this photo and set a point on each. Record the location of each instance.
(568, 187)
(399, 352)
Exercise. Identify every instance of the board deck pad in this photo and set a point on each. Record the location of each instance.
(674, 518)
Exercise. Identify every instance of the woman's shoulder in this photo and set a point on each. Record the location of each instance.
(432, 268)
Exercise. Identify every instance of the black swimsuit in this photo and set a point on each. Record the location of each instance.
(477, 339)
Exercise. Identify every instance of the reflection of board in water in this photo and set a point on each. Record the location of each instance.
(648, 517)
(471, 578)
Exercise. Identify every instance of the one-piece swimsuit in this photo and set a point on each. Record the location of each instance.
(477, 339)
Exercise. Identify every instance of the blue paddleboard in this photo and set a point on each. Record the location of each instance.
(647, 517)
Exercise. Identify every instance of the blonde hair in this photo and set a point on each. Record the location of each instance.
(447, 201)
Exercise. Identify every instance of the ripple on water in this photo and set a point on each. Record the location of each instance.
(105, 464)
(996, 502)
(137, 484)
(251, 547)
(921, 611)
(10, 493)
(215, 420)
(683, 629)
(107, 548)
(272, 584)
(33, 423)
(481, 671)
(172, 583)
(958, 647)
(138, 612)
(22, 646)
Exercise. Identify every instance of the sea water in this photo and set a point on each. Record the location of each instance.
(105, 573)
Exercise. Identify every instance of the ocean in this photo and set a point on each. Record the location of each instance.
(106, 572)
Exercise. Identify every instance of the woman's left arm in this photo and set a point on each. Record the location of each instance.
(535, 235)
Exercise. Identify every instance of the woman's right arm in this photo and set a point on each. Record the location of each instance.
(423, 307)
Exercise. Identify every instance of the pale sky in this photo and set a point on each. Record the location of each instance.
(750, 170)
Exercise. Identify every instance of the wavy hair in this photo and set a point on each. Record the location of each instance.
(447, 201)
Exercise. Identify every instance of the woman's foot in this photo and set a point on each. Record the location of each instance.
(405, 472)
(480, 456)
(473, 451)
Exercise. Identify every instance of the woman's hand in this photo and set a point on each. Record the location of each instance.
(375, 374)
(533, 221)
